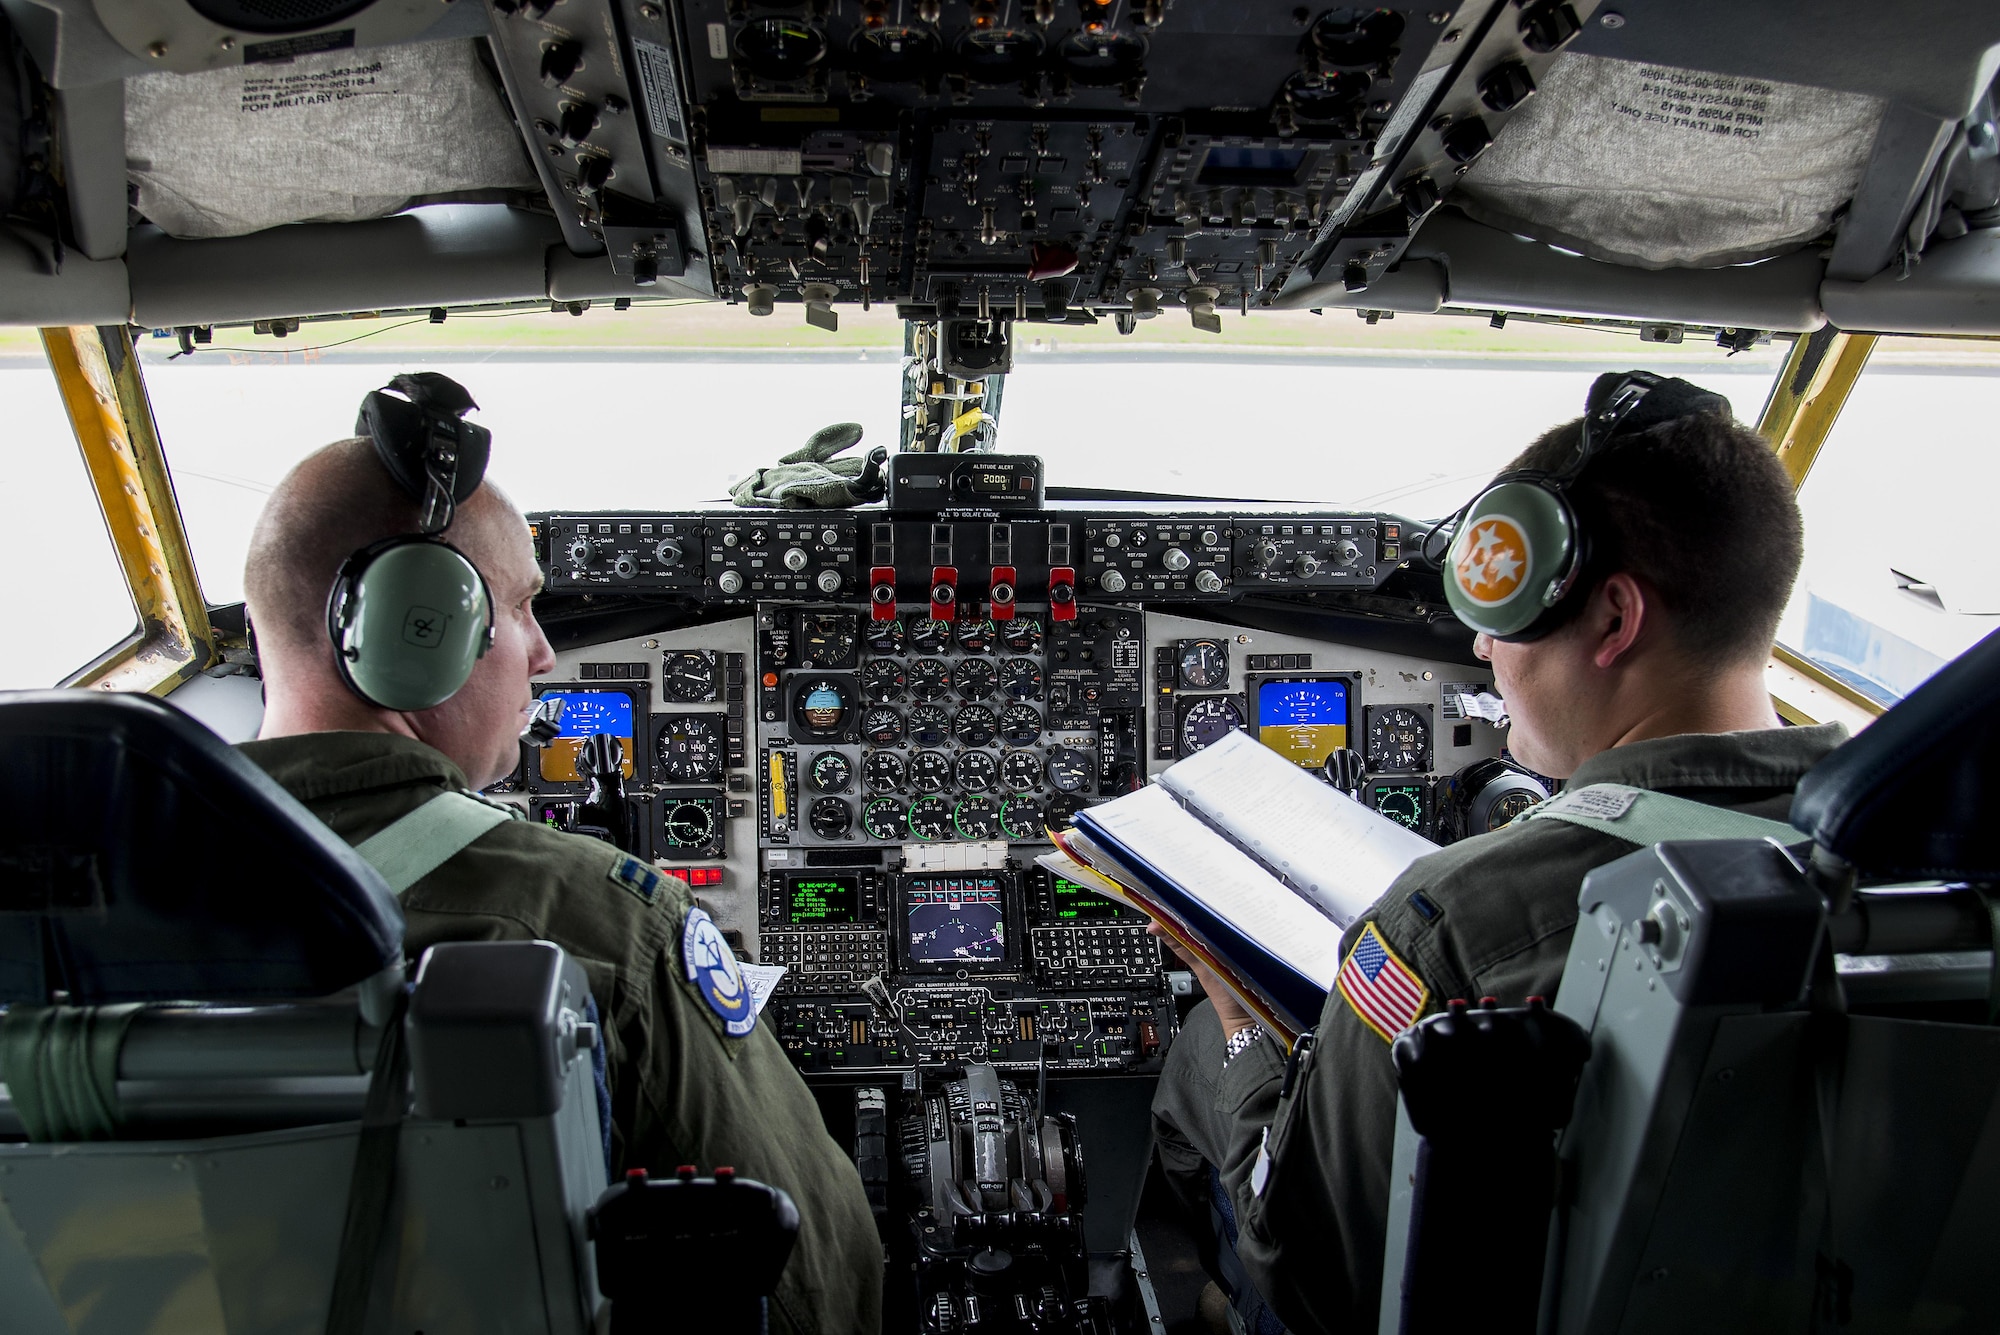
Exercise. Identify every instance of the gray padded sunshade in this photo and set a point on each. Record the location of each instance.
(334, 137)
(1669, 168)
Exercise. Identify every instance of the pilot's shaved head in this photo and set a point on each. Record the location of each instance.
(335, 502)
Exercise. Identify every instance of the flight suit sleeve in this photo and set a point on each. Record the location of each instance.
(1308, 1171)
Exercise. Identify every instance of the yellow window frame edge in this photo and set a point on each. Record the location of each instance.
(1805, 401)
(97, 371)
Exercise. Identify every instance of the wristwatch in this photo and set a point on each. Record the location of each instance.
(1239, 1042)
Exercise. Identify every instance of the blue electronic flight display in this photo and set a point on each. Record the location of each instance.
(585, 714)
(961, 920)
(1303, 721)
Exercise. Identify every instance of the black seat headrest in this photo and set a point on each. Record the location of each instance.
(142, 858)
(1913, 795)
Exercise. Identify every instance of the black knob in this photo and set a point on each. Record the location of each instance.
(1420, 196)
(560, 60)
(645, 270)
(592, 171)
(1546, 26)
(1506, 86)
(1354, 276)
(1466, 140)
(577, 120)
(1062, 595)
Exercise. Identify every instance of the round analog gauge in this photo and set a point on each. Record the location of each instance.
(1020, 725)
(882, 681)
(1403, 804)
(821, 705)
(930, 771)
(976, 678)
(689, 677)
(975, 725)
(1058, 812)
(1208, 721)
(929, 725)
(831, 818)
(1023, 635)
(977, 818)
(885, 637)
(689, 825)
(831, 772)
(930, 679)
(1021, 770)
(930, 818)
(928, 636)
(691, 749)
(884, 818)
(976, 771)
(1021, 817)
(975, 637)
(828, 640)
(1204, 664)
(1069, 770)
(882, 725)
(1021, 678)
(1398, 739)
(882, 772)
(781, 49)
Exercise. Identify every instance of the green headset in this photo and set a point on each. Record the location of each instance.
(1518, 551)
(411, 615)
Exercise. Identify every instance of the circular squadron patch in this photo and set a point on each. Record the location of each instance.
(1493, 561)
(712, 969)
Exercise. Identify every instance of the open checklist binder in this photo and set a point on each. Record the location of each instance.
(1250, 863)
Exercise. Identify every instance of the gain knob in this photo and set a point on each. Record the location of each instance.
(1175, 560)
(828, 581)
(1266, 555)
(582, 552)
(1208, 581)
(626, 566)
(729, 581)
(1112, 581)
(795, 559)
(1349, 553)
(1306, 566)
(668, 552)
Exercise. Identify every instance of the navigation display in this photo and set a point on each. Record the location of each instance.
(586, 713)
(1303, 721)
(956, 920)
(1074, 903)
(824, 899)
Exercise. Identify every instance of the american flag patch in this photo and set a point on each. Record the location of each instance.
(1382, 989)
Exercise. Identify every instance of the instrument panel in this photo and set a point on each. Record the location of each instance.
(854, 750)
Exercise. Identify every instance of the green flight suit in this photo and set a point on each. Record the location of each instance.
(682, 1091)
(1490, 916)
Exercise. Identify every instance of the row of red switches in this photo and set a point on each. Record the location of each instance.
(944, 593)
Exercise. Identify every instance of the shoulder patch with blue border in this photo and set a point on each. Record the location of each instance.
(712, 969)
(636, 876)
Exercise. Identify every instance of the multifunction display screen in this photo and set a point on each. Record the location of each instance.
(1303, 721)
(824, 899)
(955, 920)
(1073, 903)
(585, 714)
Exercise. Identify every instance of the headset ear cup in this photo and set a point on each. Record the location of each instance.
(1516, 542)
(409, 618)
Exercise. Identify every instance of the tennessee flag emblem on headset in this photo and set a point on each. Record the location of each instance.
(1494, 561)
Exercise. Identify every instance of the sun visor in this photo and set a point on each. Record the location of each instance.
(1663, 168)
(333, 137)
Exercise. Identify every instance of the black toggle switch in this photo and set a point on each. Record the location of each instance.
(1506, 86)
(592, 171)
(560, 60)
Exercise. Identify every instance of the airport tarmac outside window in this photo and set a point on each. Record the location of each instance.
(68, 602)
(1898, 579)
(670, 406)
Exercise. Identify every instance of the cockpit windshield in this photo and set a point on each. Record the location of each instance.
(671, 407)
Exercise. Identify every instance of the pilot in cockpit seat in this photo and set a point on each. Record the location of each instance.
(692, 1081)
(1625, 578)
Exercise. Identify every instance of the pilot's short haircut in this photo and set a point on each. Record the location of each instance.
(1702, 513)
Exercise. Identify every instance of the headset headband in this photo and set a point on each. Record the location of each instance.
(423, 441)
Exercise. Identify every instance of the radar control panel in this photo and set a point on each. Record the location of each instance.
(856, 728)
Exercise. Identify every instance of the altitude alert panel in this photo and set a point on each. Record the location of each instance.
(189, 35)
